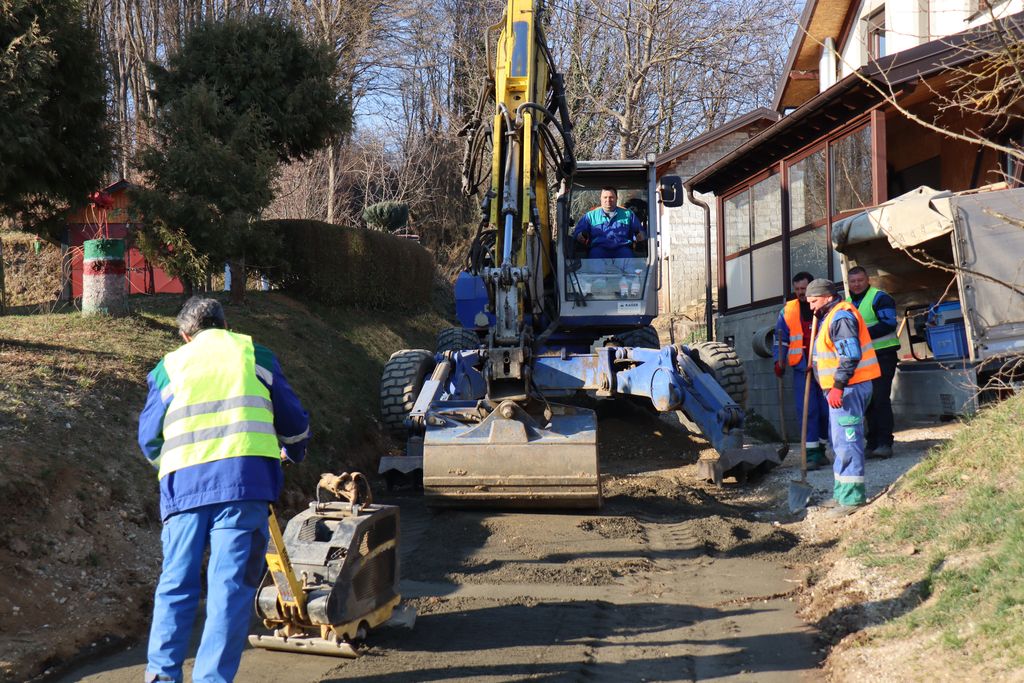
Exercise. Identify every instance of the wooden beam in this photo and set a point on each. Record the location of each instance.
(797, 75)
(879, 178)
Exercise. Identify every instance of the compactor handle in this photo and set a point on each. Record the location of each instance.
(352, 487)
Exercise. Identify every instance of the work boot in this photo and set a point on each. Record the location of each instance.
(837, 511)
(816, 458)
(880, 453)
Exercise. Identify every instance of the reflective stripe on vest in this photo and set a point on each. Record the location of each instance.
(220, 408)
(791, 314)
(867, 311)
(826, 360)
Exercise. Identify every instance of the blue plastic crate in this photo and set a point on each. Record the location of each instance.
(947, 342)
(945, 313)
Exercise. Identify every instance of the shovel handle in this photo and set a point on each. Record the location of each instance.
(782, 411)
(807, 399)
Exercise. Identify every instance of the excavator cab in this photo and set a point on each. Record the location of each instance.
(603, 296)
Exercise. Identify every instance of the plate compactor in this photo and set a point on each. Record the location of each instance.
(332, 575)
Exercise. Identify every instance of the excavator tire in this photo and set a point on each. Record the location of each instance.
(400, 384)
(721, 361)
(457, 339)
(643, 337)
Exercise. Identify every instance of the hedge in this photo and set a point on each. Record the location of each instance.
(336, 265)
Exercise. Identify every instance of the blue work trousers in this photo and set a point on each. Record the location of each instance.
(847, 425)
(817, 409)
(611, 252)
(237, 534)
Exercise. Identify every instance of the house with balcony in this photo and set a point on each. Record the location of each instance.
(872, 106)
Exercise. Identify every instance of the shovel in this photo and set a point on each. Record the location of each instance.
(784, 448)
(799, 490)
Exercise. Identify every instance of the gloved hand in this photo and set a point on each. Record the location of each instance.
(835, 398)
(779, 370)
(583, 238)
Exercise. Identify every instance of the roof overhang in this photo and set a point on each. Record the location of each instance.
(820, 19)
(761, 116)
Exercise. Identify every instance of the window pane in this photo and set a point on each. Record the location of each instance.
(807, 190)
(851, 171)
(737, 223)
(767, 209)
(737, 281)
(608, 279)
(767, 266)
(809, 252)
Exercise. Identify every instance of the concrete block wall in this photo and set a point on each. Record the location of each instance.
(682, 231)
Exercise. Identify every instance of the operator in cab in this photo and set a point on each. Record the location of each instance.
(609, 231)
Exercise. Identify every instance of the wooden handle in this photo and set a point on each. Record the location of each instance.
(807, 400)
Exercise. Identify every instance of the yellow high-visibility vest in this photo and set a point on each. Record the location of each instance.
(219, 409)
(867, 311)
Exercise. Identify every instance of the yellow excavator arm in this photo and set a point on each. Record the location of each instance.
(530, 137)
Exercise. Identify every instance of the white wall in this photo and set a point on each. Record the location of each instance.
(910, 23)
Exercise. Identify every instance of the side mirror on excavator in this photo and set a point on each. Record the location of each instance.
(670, 188)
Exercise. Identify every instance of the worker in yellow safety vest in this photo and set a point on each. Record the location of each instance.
(879, 312)
(219, 419)
(792, 337)
(844, 363)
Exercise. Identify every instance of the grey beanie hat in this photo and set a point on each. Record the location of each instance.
(821, 287)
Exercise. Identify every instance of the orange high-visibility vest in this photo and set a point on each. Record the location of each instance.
(826, 360)
(791, 314)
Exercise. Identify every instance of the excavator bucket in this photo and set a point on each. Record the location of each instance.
(515, 459)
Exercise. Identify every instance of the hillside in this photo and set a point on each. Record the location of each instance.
(928, 583)
(80, 548)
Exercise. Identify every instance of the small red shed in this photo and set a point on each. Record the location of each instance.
(110, 216)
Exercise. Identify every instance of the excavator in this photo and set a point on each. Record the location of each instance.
(541, 320)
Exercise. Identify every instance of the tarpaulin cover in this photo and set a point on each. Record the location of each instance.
(906, 221)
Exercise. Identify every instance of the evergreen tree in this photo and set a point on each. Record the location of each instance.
(54, 144)
(239, 98)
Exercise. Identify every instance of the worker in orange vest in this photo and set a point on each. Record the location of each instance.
(792, 335)
(844, 363)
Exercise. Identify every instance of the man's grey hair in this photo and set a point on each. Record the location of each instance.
(200, 314)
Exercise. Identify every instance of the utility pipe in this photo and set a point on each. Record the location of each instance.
(707, 259)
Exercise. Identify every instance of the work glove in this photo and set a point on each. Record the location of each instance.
(835, 398)
(779, 370)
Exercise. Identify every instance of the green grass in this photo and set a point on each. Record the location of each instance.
(962, 510)
(73, 386)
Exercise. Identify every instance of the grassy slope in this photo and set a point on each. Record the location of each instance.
(954, 536)
(78, 500)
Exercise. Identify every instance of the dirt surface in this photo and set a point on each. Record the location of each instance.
(671, 580)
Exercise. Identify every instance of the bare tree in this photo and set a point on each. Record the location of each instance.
(644, 75)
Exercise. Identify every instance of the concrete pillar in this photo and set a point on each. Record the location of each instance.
(103, 278)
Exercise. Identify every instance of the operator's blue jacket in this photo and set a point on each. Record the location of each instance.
(610, 237)
(230, 479)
